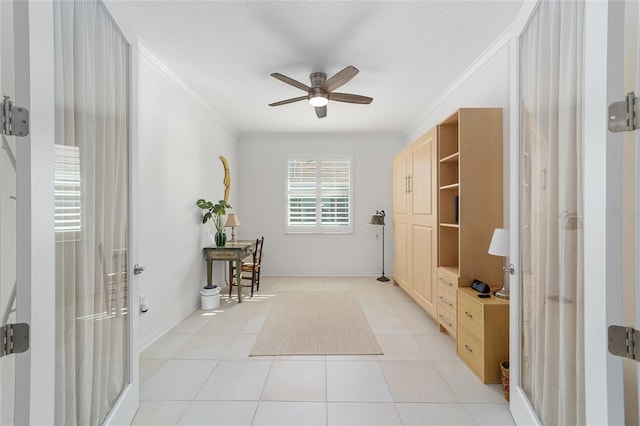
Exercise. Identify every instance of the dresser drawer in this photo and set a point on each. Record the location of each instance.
(446, 301)
(470, 315)
(469, 348)
(447, 281)
(448, 321)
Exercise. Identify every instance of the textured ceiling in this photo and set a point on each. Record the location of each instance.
(407, 52)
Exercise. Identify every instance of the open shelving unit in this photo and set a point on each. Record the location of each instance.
(470, 193)
(449, 195)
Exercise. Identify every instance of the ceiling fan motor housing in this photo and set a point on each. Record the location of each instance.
(317, 79)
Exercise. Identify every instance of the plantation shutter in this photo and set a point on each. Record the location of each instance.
(335, 176)
(302, 193)
(319, 195)
(67, 189)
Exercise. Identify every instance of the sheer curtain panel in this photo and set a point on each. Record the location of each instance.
(551, 213)
(91, 199)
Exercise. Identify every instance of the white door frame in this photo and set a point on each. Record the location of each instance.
(603, 82)
(603, 67)
(35, 295)
(127, 404)
(521, 409)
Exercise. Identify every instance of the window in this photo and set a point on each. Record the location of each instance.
(319, 195)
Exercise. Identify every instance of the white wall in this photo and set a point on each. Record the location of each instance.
(262, 203)
(180, 140)
(486, 83)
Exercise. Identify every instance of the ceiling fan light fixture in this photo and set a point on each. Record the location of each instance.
(318, 100)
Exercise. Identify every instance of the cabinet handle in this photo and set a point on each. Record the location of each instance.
(451, 304)
(406, 184)
(410, 184)
(468, 314)
(468, 348)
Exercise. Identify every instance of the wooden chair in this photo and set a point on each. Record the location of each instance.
(250, 270)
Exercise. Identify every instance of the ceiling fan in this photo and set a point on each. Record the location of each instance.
(321, 90)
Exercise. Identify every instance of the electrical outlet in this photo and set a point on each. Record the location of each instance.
(144, 303)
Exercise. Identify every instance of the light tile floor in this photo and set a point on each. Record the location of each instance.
(199, 373)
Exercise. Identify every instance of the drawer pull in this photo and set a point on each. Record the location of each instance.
(445, 281)
(468, 348)
(468, 314)
(443, 320)
(451, 304)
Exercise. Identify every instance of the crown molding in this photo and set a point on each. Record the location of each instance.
(184, 87)
(498, 46)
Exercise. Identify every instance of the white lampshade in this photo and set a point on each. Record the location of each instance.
(499, 242)
(232, 220)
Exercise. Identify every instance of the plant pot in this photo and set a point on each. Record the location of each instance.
(221, 238)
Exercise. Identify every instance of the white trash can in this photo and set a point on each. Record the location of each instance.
(210, 297)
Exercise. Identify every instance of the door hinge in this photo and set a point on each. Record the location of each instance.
(15, 339)
(623, 115)
(15, 120)
(623, 341)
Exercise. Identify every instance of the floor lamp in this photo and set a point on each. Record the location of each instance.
(378, 219)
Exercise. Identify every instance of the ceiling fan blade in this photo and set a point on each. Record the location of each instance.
(353, 99)
(342, 77)
(289, 80)
(288, 101)
(321, 112)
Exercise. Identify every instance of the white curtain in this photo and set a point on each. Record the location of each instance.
(551, 213)
(91, 212)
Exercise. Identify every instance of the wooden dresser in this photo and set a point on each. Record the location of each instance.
(482, 333)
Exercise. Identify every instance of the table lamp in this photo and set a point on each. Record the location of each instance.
(500, 247)
(232, 222)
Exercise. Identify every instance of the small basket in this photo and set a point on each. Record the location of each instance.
(504, 368)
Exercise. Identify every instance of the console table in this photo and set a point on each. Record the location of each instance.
(232, 252)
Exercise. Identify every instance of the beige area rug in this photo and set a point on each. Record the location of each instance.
(316, 323)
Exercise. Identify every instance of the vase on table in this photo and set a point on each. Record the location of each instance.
(221, 238)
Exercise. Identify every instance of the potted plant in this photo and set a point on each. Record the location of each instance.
(215, 211)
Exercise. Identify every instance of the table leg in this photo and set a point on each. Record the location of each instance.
(209, 272)
(239, 279)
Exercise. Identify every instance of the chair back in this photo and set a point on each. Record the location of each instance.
(259, 245)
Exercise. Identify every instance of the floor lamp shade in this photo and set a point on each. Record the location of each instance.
(378, 219)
